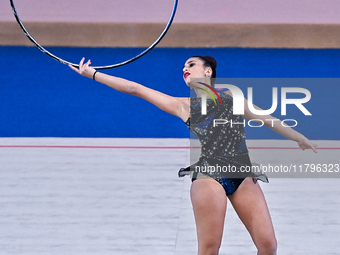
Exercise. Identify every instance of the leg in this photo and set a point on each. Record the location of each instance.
(250, 205)
(209, 203)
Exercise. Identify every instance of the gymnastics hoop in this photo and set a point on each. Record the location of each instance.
(41, 48)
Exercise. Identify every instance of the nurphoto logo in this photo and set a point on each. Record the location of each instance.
(238, 104)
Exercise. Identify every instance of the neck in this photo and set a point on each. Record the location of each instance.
(202, 86)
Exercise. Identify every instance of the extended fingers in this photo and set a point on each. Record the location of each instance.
(74, 68)
(84, 68)
(78, 70)
(314, 148)
(88, 63)
(311, 146)
(81, 62)
(306, 144)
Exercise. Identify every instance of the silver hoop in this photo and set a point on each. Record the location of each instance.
(41, 48)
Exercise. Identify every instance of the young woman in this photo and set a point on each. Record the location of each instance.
(209, 191)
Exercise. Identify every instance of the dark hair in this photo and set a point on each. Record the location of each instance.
(209, 61)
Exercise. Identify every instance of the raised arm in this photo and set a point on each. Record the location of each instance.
(173, 105)
(275, 124)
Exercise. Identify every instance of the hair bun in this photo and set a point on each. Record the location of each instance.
(211, 61)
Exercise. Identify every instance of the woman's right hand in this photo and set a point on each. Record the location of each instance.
(84, 69)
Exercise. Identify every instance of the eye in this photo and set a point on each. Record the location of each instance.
(191, 64)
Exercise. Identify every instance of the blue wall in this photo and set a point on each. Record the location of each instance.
(40, 97)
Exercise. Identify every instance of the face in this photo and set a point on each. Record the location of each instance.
(194, 68)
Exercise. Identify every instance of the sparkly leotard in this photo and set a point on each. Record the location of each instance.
(224, 154)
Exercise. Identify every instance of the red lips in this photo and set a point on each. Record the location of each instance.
(186, 74)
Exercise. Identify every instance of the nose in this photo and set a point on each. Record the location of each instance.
(185, 69)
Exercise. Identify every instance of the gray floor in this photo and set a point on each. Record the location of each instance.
(71, 200)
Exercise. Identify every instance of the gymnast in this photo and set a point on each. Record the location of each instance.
(224, 145)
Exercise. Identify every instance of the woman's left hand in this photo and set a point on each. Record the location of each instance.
(304, 144)
(84, 69)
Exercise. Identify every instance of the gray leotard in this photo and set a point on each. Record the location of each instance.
(224, 154)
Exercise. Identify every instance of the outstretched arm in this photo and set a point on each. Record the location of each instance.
(173, 105)
(275, 124)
